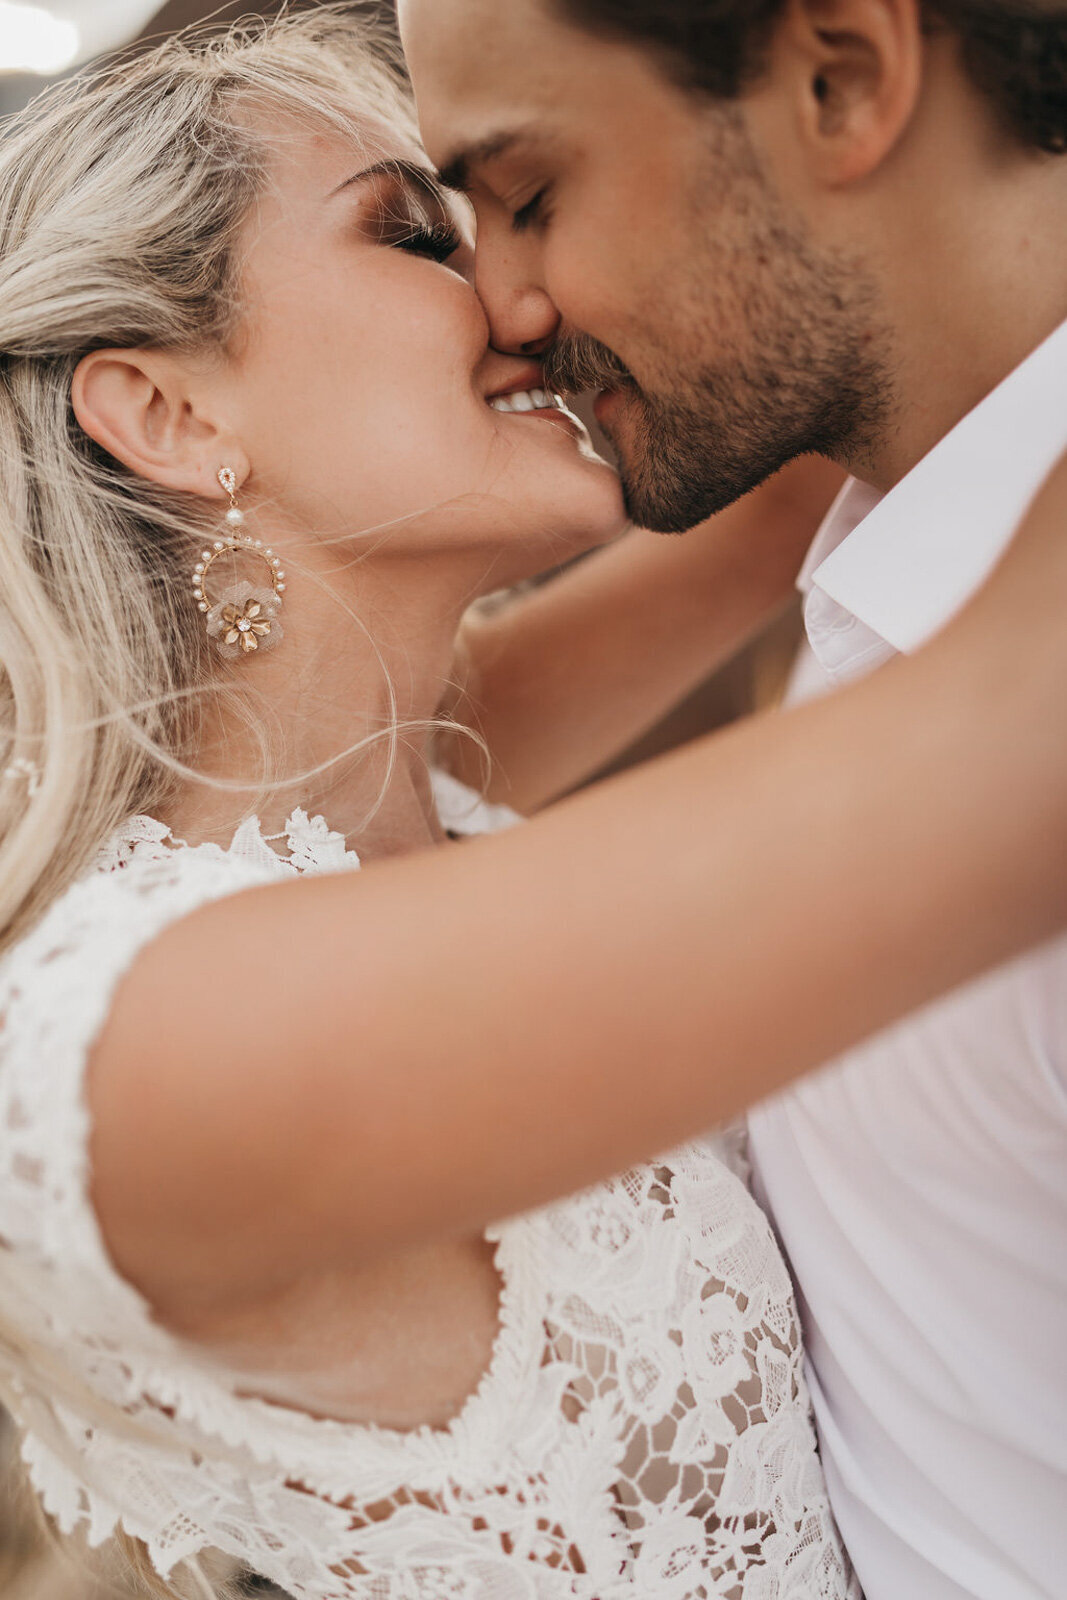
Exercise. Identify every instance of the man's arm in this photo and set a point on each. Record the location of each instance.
(563, 679)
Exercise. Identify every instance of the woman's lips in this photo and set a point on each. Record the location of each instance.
(566, 421)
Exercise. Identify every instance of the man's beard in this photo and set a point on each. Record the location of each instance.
(809, 373)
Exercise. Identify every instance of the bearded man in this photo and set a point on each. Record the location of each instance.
(761, 228)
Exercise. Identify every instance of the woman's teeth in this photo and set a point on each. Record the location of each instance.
(527, 400)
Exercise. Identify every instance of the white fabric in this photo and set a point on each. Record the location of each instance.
(922, 551)
(643, 1427)
(920, 1184)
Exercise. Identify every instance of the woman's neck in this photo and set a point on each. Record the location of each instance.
(363, 666)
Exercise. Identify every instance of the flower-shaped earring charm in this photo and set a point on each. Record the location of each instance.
(246, 625)
(244, 618)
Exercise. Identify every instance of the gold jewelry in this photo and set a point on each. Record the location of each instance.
(243, 618)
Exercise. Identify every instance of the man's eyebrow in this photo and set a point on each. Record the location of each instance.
(456, 172)
(394, 167)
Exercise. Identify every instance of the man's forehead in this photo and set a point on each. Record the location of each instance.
(455, 42)
(487, 74)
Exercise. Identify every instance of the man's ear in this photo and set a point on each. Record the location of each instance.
(856, 69)
(139, 406)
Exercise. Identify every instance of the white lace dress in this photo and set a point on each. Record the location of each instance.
(643, 1426)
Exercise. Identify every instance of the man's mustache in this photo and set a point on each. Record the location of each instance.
(577, 362)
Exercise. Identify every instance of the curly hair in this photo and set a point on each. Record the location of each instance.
(1014, 50)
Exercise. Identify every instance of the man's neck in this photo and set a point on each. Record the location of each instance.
(970, 242)
(961, 366)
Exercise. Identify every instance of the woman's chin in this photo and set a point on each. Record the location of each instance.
(605, 510)
(524, 559)
(572, 525)
(590, 505)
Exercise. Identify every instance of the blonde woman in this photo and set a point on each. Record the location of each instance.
(261, 1110)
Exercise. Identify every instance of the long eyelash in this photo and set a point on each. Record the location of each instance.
(438, 241)
(531, 213)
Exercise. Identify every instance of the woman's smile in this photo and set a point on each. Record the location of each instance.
(538, 405)
(365, 327)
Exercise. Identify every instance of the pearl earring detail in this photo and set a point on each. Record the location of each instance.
(243, 618)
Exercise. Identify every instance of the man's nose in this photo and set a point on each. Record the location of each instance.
(522, 318)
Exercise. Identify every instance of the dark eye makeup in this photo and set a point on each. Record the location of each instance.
(408, 212)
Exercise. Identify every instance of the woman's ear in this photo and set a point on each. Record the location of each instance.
(139, 406)
(859, 75)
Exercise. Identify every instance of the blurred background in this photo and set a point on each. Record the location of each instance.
(49, 39)
(42, 40)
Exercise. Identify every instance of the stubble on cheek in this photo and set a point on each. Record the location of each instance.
(752, 348)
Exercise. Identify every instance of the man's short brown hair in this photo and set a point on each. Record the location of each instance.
(1015, 50)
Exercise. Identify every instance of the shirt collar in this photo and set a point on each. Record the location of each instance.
(855, 501)
(905, 562)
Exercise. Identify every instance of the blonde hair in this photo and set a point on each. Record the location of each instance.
(122, 199)
(123, 195)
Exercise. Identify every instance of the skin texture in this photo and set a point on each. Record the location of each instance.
(787, 356)
(856, 221)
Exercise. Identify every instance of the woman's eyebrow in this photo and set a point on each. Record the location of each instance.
(412, 172)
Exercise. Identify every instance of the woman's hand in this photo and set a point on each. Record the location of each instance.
(564, 678)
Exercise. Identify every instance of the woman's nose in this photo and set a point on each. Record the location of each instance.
(522, 318)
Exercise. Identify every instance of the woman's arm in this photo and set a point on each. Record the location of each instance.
(382, 1060)
(560, 681)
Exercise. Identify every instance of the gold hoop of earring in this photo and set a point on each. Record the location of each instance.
(243, 618)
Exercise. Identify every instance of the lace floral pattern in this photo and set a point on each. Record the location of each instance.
(643, 1427)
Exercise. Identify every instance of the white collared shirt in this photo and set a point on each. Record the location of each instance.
(919, 1184)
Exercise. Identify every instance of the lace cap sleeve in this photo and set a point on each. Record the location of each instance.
(59, 1295)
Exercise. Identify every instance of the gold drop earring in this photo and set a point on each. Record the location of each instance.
(243, 618)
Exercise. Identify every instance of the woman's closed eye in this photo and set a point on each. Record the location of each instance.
(413, 216)
(439, 240)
